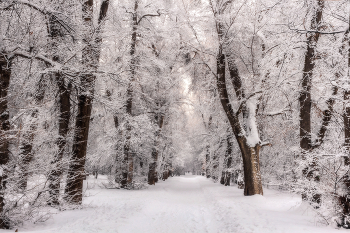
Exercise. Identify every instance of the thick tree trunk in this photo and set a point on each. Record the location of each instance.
(237, 85)
(250, 154)
(54, 177)
(305, 98)
(26, 158)
(344, 200)
(251, 165)
(5, 74)
(152, 174)
(26, 147)
(76, 170)
(305, 94)
(128, 164)
(63, 122)
(90, 58)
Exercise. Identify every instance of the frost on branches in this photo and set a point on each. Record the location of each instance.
(252, 94)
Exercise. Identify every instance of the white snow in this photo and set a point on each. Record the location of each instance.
(252, 129)
(183, 204)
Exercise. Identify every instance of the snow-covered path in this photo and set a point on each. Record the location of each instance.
(183, 204)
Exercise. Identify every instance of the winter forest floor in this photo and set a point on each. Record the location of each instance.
(182, 204)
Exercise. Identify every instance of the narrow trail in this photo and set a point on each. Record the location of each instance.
(183, 204)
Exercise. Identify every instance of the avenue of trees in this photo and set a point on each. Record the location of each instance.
(249, 93)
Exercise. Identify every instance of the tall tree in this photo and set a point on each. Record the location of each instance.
(344, 199)
(128, 161)
(90, 60)
(5, 74)
(248, 140)
(226, 173)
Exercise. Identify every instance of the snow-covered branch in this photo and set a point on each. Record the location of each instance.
(148, 15)
(42, 10)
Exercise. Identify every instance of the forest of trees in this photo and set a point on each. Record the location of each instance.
(249, 93)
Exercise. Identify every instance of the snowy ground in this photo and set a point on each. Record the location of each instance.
(183, 204)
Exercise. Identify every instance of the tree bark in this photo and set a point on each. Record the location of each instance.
(54, 176)
(208, 159)
(226, 174)
(237, 85)
(207, 163)
(344, 200)
(90, 58)
(305, 98)
(250, 154)
(63, 128)
(305, 94)
(5, 74)
(152, 174)
(26, 147)
(128, 164)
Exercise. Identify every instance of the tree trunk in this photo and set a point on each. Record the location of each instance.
(27, 143)
(64, 118)
(118, 145)
(54, 177)
(305, 97)
(207, 163)
(344, 199)
(305, 94)
(252, 177)
(250, 154)
(226, 174)
(128, 164)
(119, 149)
(5, 74)
(152, 174)
(90, 58)
(237, 85)
(76, 170)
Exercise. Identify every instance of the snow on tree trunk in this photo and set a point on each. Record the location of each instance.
(249, 149)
